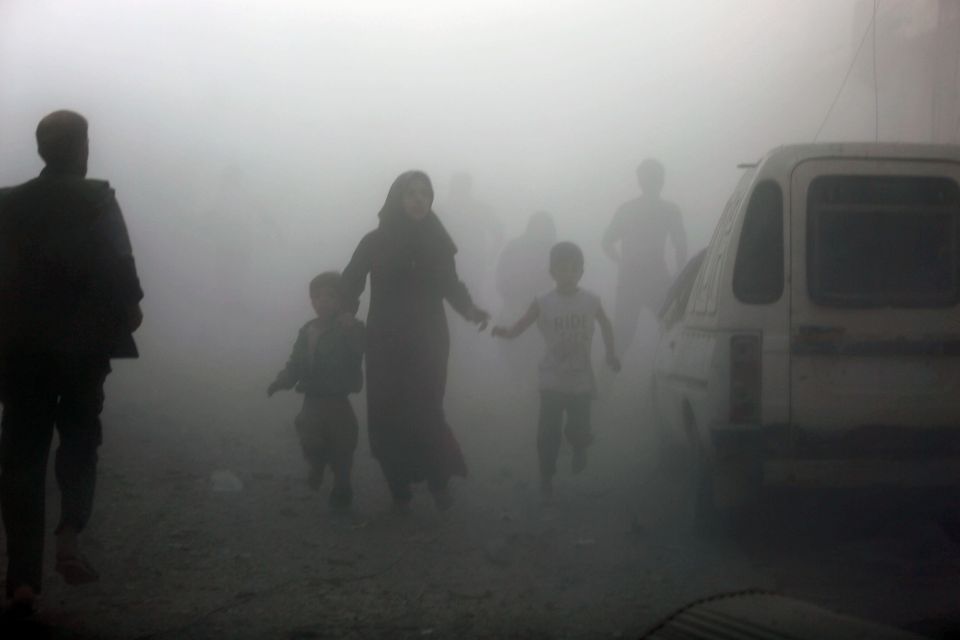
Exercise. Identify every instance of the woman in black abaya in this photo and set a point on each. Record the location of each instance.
(410, 261)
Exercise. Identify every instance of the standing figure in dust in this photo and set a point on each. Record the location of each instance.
(71, 300)
(636, 242)
(477, 228)
(479, 235)
(520, 273)
(521, 278)
(410, 261)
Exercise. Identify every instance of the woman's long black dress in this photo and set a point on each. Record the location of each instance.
(412, 271)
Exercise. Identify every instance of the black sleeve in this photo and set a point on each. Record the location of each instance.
(454, 291)
(353, 279)
(296, 364)
(111, 229)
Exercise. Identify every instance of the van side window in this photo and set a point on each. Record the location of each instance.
(706, 285)
(758, 270)
(705, 290)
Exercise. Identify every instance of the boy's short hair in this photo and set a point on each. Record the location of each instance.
(651, 167)
(564, 253)
(326, 280)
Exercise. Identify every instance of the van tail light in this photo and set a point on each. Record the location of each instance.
(745, 364)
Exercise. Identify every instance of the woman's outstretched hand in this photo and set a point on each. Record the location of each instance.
(613, 362)
(480, 317)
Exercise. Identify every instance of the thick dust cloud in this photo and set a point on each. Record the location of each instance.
(252, 144)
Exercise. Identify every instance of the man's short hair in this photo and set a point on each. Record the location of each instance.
(61, 137)
(566, 253)
(651, 167)
(328, 280)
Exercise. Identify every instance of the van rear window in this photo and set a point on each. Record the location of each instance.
(875, 241)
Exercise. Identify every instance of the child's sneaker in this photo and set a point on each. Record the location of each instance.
(579, 462)
(341, 498)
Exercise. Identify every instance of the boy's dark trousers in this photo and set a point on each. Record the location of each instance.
(553, 406)
(41, 393)
(328, 434)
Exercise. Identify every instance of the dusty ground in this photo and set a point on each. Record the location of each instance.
(182, 559)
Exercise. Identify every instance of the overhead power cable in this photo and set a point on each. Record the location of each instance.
(846, 77)
(876, 88)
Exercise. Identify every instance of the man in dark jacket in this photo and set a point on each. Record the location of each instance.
(69, 295)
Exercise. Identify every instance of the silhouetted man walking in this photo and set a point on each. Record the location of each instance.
(636, 240)
(69, 295)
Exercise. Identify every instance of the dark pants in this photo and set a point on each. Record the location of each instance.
(553, 406)
(328, 434)
(40, 394)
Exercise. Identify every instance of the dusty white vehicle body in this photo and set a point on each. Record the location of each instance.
(818, 342)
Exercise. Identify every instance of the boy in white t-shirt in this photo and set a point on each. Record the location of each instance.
(566, 318)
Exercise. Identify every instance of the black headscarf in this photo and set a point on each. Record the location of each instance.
(425, 236)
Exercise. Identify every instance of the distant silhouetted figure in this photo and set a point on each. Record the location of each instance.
(520, 273)
(410, 261)
(325, 366)
(521, 278)
(69, 295)
(636, 240)
(476, 228)
(566, 318)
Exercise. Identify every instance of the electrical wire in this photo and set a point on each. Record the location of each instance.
(876, 88)
(846, 77)
(956, 98)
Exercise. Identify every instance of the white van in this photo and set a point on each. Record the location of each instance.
(816, 341)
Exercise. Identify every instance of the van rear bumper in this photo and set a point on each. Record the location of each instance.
(882, 442)
(853, 473)
(861, 456)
